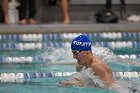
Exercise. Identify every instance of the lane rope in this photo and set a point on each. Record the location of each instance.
(20, 77)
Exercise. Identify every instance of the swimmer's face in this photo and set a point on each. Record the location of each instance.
(75, 52)
(80, 56)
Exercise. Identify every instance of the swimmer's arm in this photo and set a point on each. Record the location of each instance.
(76, 81)
(101, 72)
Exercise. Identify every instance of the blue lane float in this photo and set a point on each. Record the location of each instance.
(36, 59)
(46, 37)
(20, 77)
(39, 45)
(28, 59)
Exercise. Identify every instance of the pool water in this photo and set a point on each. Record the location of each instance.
(47, 87)
(41, 85)
(43, 53)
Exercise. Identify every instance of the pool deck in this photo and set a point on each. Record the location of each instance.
(69, 28)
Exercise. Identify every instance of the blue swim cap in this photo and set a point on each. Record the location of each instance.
(81, 43)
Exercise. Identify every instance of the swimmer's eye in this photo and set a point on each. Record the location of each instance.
(76, 52)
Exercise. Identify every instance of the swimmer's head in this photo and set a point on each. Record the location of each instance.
(81, 43)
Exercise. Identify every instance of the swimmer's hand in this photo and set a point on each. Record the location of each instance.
(75, 82)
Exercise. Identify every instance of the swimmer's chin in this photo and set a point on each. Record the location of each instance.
(78, 62)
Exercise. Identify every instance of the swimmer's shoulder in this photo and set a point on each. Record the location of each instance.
(95, 64)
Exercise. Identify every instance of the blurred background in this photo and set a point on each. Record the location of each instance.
(68, 11)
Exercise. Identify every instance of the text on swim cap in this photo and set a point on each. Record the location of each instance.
(82, 43)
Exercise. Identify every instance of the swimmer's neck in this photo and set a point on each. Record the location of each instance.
(88, 63)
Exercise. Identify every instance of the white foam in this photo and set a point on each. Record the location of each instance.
(123, 86)
(88, 79)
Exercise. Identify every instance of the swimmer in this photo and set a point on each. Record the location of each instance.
(82, 52)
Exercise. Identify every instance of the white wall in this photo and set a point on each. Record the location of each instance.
(102, 1)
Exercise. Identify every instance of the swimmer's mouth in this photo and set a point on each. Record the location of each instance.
(78, 61)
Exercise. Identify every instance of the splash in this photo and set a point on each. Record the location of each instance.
(109, 57)
(63, 54)
(103, 53)
(53, 55)
(89, 80)
(126, 86)
(84, 78)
